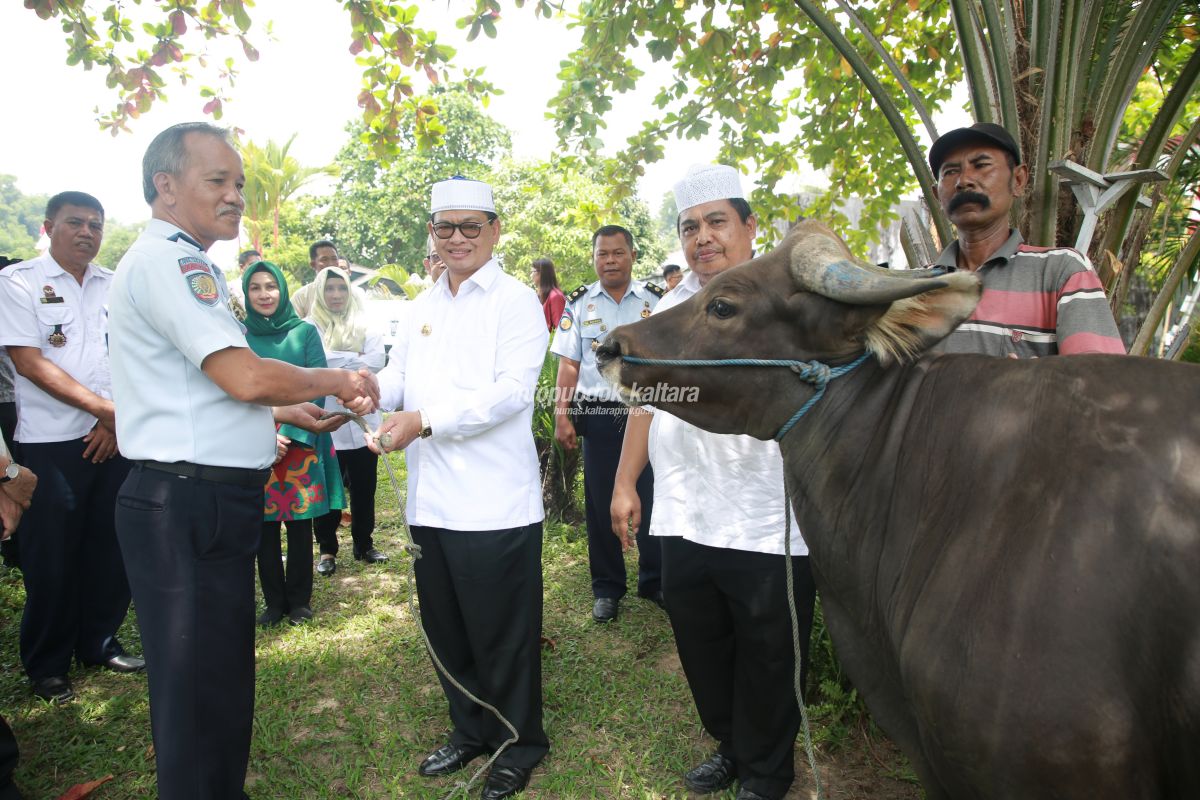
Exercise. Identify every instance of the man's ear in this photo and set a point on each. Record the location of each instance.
(164, 184)
(1020, 179)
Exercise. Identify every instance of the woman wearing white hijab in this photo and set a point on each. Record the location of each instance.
(338, 312)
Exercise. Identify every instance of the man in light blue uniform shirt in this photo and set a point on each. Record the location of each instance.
(193, 416)
(587, 406)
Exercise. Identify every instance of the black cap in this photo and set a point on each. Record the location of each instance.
(988, 132)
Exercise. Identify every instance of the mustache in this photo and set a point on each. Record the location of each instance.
(223, 210)
(961, 199)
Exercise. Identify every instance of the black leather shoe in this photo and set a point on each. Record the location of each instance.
(299, 615)
(371, 556)
(123, 662)
(505, 782)
(715, 774)
(448, 758)
(55, 689)
(747, 794)
(327, 566)
(270, 617)
(605, 609)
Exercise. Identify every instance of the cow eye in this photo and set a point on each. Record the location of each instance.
(721, 308)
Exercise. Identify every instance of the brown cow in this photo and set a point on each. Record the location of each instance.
(1008, 552)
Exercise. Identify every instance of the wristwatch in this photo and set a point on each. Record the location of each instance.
(426, 431)
(11, 472)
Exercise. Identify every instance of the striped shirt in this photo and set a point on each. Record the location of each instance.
(1037, 301)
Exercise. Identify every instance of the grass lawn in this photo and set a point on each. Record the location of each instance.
(349, 704)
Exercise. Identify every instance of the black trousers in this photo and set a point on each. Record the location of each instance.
(76, 594)
(189, 548)
(360, 477)
(603, 430)
(283, 589)
(8, 762)
(729, 611)
(481, 604)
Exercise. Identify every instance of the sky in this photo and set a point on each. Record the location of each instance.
(305, 82)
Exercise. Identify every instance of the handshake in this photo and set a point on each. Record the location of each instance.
(357, 391)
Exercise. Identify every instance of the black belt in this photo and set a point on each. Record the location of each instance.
(237, 476)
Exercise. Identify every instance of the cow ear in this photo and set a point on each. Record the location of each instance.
(914, 324)
(923, 306)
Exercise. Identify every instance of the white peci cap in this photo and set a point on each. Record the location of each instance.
(461, 194)
(705, 183)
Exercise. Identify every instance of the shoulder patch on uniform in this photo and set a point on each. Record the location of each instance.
(654, 290)
(200, 280)
(567, 320)
(578, 293)
(192, 264)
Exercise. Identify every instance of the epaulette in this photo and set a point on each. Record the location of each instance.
(578, 293)
(654, 289)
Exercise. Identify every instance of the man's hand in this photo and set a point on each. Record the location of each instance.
(281, 446)
(361, 392)
(10, 515)
(308, 417)
(20, 489)
(626, 512)
(101, 443)
(396, 433)
(106, 415)
(564, 432)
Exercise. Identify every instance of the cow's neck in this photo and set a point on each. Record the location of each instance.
(841, 460)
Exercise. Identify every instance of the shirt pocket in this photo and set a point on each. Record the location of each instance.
(55, 317)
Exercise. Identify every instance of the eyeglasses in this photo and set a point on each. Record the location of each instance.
(470, 230)
(433, 258)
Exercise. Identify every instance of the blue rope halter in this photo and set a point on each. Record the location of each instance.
(812, 372)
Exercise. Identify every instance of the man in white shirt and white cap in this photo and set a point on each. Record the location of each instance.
(463, 372)
(719, 508)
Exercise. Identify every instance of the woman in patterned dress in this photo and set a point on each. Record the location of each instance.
(305, 482)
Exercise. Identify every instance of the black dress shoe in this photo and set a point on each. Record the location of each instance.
(270, 617)
(327, 566)
(505, 782)
(747, 794)
(449, 758)
(299, 615)
(605, 609)
(715, 774)
(123, 662)
(371, 556)
(55, 689)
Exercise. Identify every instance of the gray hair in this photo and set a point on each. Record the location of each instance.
(167, 153)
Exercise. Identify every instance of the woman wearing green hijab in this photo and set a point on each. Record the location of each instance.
(305, 482)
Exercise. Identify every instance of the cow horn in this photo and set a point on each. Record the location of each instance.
(820, 263)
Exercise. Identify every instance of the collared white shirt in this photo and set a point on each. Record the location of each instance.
(586, 322)
(373, 357)
(471, 362)
(168, 311)
(721, 490)
(38, 298)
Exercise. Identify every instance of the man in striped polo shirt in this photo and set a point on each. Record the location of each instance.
(1037, 301)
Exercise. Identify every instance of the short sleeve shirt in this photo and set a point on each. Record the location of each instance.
(44, 306)
(168, 311)
(586, 322)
